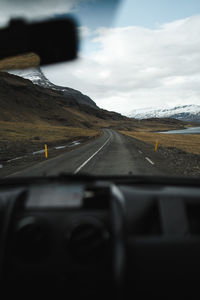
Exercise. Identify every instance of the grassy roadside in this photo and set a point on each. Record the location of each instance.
(21, 138)
(186, 142)
(41, 132)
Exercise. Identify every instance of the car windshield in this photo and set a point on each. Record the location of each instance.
(128, 105)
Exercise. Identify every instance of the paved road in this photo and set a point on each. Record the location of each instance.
(110, 154)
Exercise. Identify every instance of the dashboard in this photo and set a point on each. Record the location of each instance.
(100, 237)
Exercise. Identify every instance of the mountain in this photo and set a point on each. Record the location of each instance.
(23, 101)
(37, 77)
(189, 113)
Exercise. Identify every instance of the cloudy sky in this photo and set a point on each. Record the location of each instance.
(143, 53)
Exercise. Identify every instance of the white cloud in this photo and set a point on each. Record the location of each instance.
(84, 32)
(137, 67)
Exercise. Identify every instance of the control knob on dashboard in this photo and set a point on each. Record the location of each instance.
(31, 242)
(87, 240)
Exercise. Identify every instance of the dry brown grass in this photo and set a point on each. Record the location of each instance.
(98, 123)
(41, 132)
(187, 142)
(152, 125)
(81, 116)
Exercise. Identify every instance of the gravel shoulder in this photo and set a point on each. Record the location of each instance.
(170, 160)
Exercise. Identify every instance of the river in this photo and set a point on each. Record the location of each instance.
(191, 130)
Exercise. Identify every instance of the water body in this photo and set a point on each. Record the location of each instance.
(191, 130)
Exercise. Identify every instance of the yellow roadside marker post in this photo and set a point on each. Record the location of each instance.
(156, 146)
(46, 154)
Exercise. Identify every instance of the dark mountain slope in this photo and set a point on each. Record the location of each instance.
(38, 78)
(21, 100)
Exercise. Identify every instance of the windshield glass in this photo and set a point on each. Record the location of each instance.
(129, 105)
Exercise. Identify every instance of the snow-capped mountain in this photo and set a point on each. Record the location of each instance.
(189, 113)
(37, 77)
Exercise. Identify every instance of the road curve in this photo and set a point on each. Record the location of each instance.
(110, 154)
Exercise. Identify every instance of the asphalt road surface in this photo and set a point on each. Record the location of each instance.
(110, 154)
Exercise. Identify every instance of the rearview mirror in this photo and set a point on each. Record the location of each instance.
(52, 40)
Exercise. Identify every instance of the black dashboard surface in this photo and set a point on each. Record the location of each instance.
(99, 236)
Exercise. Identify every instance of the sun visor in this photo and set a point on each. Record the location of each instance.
(52, 41)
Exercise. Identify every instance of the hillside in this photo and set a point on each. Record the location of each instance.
(21, 100)
(36, 76)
